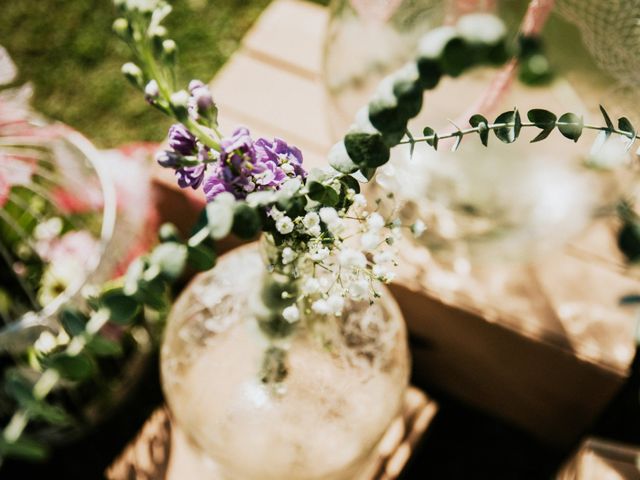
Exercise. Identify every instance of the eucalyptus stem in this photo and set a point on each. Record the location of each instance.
(494, 126)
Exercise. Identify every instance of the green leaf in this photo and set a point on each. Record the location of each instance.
(201, 257)
(433, 140)
(367, 150)
(122, 308)
(430, 73)
(246, 221)
(607, 119)
(570, 125)
(629, 241)
(509, 133)
(349, 182)
(152, 293)
(624, 125)
(23, 447)
(220, 215)
(73, 367)
(73, 321)
(409, 95)
(171, 258)
(456, 57)
(103, 347)
(480, 122)
(385, 117)
(544, 120)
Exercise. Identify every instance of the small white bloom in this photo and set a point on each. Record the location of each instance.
(284, 225)
(375, 221)
(288, 255)
(45, 343)
(359, 289)
(321, 307)
(335, 303)
(382, 257)
(350, 258)
(310, 286)
(315, 231)
(370, 240)
(311, 219)
(325, 283)
(432, 44)
(418, 228)
(359, 200)
(291, 314)
(275, 213)
(481, 28)
(318, 253)
(383, 274)
(329, 215)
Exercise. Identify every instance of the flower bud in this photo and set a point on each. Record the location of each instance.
(180, 104)
(151, 91)
(168, 159)
(121, 27)
(133, 73)
(169, 50)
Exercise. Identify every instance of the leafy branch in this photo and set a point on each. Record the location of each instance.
(122, 302)
(508, 125)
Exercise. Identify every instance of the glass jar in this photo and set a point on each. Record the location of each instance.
(315, 409)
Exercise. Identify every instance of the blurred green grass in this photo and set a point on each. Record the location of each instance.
(68, 52)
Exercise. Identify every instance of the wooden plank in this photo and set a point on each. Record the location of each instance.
(273, 100)
(290, 34)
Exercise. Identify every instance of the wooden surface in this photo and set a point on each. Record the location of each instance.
(534, 370)
(160, 452)
(598, 459)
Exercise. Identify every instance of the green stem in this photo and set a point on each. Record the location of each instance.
(495, 126)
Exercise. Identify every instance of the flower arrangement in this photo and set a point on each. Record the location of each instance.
(325, 245)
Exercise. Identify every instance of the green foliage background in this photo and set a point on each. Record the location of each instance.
(68, 52)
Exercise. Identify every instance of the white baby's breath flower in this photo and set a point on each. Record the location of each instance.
(311, 219)
(351, 259)
(370, 240)
(288, 255)
(284, 225)
(291, 314)
(335, 303)
(358, 289)
(275, 213)
(318, 253)
(375, 221)
(321, 307)
(329, 215)
(315, 231)
(359, 200)
(383, 273)
(310, 286)
(383, 256)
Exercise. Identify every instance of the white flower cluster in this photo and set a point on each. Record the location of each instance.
(346, 256)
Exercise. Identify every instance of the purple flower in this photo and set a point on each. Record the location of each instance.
(245, 166)
(201, 95)
(181, 139)
(191, 176)
(289, 158)
(168, 159)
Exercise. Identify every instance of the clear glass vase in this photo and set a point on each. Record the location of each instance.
(335, 392)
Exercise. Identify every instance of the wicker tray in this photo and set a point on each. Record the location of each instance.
(152, 455)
